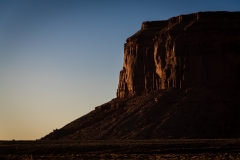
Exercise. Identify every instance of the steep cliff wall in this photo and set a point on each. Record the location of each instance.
(201, 49)
(186, 71)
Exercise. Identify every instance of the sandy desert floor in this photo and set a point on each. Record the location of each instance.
(122, 149)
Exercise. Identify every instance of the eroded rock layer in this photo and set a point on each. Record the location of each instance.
(188, 50)
(180, 79)
(196, 112)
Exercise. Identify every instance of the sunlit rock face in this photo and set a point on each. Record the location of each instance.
(138, 73)
(201, 49)
(180, 79)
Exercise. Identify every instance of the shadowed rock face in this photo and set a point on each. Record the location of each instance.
(172, 113)
(180, 79)
(188, 50)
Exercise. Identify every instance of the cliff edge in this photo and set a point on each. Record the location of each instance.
(180, 79)
(189, 50)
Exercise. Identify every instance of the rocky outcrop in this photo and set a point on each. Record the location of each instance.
(188, 50)
(180, 79)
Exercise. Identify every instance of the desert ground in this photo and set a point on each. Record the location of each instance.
(122, 149)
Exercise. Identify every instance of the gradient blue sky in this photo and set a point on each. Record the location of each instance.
(61, 58)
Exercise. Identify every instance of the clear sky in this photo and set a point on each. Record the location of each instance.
(61, 58)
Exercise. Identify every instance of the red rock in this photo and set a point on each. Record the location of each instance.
(184, 51)
(180, 79)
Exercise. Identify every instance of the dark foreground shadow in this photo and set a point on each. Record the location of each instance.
(125, 149)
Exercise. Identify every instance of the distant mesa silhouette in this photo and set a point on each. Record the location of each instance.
(180, 79)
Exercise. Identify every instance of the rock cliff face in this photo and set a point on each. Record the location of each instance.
(188, 50)
(180, 79)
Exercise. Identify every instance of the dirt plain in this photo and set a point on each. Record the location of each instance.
(124, 149)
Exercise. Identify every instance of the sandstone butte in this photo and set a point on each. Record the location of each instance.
(180, 79)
